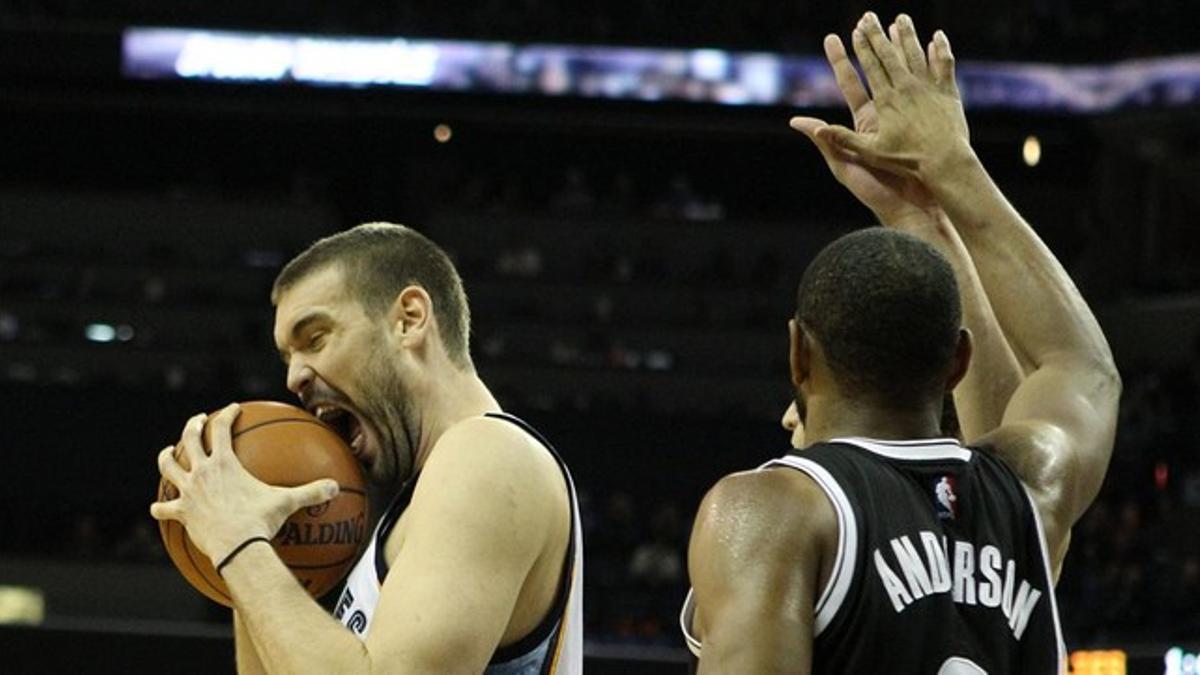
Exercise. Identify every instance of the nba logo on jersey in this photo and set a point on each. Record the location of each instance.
(945, 502)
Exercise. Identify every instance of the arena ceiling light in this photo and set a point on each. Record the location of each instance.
(624, 73)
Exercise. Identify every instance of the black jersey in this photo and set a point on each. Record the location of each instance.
(941, 569)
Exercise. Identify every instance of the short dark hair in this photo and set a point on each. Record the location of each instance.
(378, 261)
(884, 306)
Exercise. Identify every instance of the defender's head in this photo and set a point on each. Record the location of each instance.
(363, 319)
(878, 322)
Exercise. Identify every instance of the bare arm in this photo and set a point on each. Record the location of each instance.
(479, 519)
(484, 513)
(248, 662)
(995, 373)
(904, 203)
(754, 560)
(292, 633)
(1059, 426)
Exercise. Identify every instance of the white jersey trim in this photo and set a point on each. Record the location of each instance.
(685, 624)
(842, 576)
(925, 449)
(840, 579)
(1044, 546)
(564, 643)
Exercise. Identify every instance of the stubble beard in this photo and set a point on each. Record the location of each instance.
(389, 402)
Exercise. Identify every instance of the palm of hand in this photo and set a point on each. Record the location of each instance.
(887, 194)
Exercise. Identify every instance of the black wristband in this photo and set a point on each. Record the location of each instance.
(232, 554)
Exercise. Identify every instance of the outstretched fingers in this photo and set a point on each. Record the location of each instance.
(848, 81)
(904, 34)
(807, 125)
(941, 63)
(873, 70)
(885, 53)
(811, 128)
(851, 144)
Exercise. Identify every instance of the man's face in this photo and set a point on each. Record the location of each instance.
(341, 366)
(793, 422)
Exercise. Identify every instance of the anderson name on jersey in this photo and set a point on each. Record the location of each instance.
(932, 573)
(940, 549)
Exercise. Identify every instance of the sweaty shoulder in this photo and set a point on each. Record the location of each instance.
(760, 549)
(1036, 451)
(1041, 456)
(776, 492)
(776, 509)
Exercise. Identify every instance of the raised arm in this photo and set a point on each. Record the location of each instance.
(983, 395)
(1058, 428)
(902, 202)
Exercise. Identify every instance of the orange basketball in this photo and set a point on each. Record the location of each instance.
(286, 446)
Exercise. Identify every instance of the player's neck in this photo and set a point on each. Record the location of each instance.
(832, 417)
(447, 400)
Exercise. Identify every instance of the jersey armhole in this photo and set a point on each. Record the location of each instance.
(553, 626)
(685, 624)
(837, 588)
(1047, 563)
(840, 578)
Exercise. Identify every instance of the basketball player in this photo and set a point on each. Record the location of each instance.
(476, 565)
(881, 547)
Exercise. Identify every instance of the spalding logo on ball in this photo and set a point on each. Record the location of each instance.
(283, 445)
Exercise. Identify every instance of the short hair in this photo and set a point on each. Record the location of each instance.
(885, 308)
(378, 260)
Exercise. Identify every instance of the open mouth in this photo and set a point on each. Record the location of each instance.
(345, 424)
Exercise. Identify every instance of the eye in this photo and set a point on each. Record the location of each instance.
(316, 341)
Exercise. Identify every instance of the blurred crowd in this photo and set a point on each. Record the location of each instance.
(1133, 572)
(576, 193)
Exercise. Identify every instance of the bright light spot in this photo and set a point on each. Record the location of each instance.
(442, 133)
(710, 64)
(22, 605)
(365, 61)
(100, 332)
(234, 57)
(1098, 662)
(1031, 152)
(1179, 662)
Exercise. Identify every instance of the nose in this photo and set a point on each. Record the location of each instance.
(299, 376)
(791, 418)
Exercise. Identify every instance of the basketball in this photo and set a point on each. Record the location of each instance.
(286, 446)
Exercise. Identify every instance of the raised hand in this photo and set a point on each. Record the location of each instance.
(917, 113)
(893, 198)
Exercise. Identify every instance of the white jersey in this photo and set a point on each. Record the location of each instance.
(554, 647)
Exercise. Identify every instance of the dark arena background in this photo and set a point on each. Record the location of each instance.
(631, 214)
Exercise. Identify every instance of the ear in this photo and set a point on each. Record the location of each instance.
(799, 352)
(411, 315)
(961, 359)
